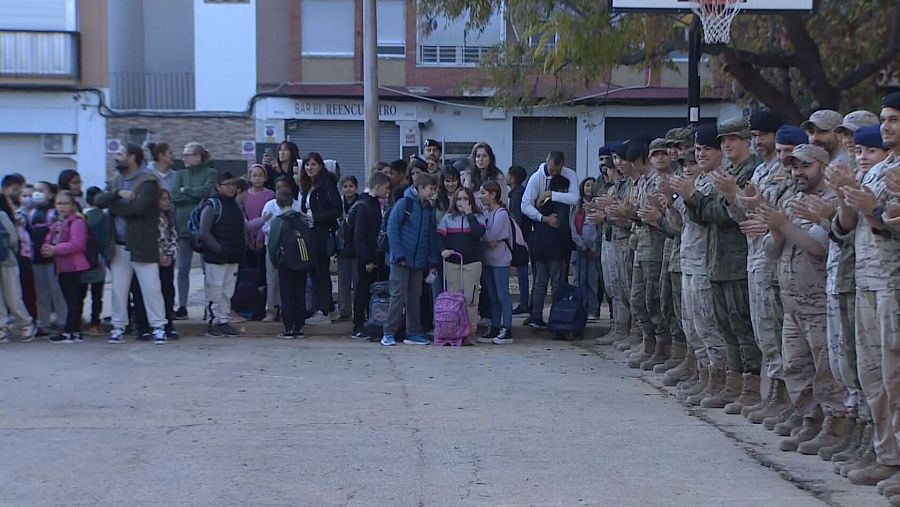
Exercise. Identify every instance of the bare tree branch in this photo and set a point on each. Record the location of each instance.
(751, 80)
(809, 62)
(773, 59)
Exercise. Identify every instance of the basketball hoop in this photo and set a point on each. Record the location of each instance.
(716, 17)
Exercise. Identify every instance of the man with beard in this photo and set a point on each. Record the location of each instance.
(132, 197)
(799, 239)
(822, 130)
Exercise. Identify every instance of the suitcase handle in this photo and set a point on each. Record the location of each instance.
(454, 253)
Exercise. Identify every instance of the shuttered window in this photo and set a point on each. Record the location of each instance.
(534, 138)
(55, 15)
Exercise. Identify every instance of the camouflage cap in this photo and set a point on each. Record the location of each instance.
(735, 127)
(853, 121)
(689, 156)
(658, 144)
(808, 153)
(678, 135)
(823, 119)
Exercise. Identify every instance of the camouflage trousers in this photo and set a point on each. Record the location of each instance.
(670, 303)
(699, 321)
(841, 310)
(878, 364)
(766, 313)
(645, 297)
(807, 374)
(732, 310)
(617, 261)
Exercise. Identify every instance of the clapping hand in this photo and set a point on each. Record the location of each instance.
(751, 199)
(837, 177)
(892, 182)
(682, 186)
(650, 215)
(773, 218)
(725, 184)
(813, 208)
(754, 228)
(862, 199)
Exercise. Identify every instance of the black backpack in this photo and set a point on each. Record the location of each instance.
(297, 247)
(348, 248)
(383, 245)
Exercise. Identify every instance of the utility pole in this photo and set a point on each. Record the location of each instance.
(694, 73)
(370, 85)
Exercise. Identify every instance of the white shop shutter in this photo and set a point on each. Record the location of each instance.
(57, 15)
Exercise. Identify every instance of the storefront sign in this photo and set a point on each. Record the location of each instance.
(323, 109)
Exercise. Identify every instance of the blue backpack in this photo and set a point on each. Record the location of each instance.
(567, 313)
(194, 221)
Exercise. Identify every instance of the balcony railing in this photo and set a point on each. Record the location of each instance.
(152, 90)
(40, 54)
(451, 56)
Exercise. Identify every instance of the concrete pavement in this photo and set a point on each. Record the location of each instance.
(330, 421)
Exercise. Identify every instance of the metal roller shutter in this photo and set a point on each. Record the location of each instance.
(343, 141)
(622, 129)
(533, 138)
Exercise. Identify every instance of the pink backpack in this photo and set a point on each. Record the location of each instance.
(451, 319)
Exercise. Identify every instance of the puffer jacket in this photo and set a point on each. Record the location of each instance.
(413, 239)
(70, 239)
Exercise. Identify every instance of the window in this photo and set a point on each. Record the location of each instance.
(449, 44)
(391, 28)
(327, 28)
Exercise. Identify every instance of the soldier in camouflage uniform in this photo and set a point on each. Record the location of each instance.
(654, 214)
(698, 302)
(851, 123)
(727, 266)
(877, 280)
(645, 290)
(765, 304)
(799, 238)
(822, 128)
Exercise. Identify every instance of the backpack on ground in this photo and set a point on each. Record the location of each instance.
(296, 251)
(382, 244)
(567, 314)
(194, 221)
(249, 298)
(451, 318)
(517, 246)
(379, 303)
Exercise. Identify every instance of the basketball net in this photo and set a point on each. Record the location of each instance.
(716, 17)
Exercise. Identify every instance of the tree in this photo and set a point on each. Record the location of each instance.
(791, 63)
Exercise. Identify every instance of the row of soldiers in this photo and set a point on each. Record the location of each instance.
(757, 249)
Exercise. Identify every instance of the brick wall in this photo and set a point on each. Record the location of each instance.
(221, 136)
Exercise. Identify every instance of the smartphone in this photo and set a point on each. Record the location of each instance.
(270, 152)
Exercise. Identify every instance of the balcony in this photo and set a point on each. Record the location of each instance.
(40, 54)
(451, 56)
(152, 90)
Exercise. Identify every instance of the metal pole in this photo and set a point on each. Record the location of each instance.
(370, 85)
(694, 73)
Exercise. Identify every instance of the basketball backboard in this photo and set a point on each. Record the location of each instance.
(758, 6)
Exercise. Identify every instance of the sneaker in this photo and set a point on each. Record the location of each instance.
(417, 340)
(287, 334)
(228, 330)
(4, 338)
(521, 310)
(181, 313)
(61, 338)
(318, 319)
(77, 338)
(159, 336)
(215, 331)
(592, 318)
(298, 333)
(388, 340)
(40, 333)
(536, 324)
(143, 335)
(504, 337)
(28, 333)
(491, 332)
(116, 336)
(360, 335)
(171, 333)
(237, 318)
(270, 317)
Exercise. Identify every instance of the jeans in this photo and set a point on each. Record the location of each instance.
(524, 295)
(74, 292)
(219, 282)
(361, 296)
(498, 292)
(185, 257)
(321, 275)
(293, 298)
(546, 273)
(406, 291)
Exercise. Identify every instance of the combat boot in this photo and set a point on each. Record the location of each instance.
(834, 431)
(609, 338)
(661, 353)
(715, 384)
(693, 386)
(866, 459)
(679, 352)
(785, 428)
(892, 481)
(770, 422)
(763, 402)
(749, 394)
(635, 360)
(685, 370)
(731, 392)
(892, 489)
(809, 430)
(777, 405)
(872, 474)
(855, 452)
(634, 339)
(894, 501)
(854, 427)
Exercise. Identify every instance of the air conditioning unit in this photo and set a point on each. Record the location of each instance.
(58, 144)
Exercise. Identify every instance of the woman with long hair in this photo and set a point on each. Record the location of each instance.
(448, 184)
(482, 168)
(320, 203)
(288, 156)
(70, 180)
(497, 252)
(162, 161)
